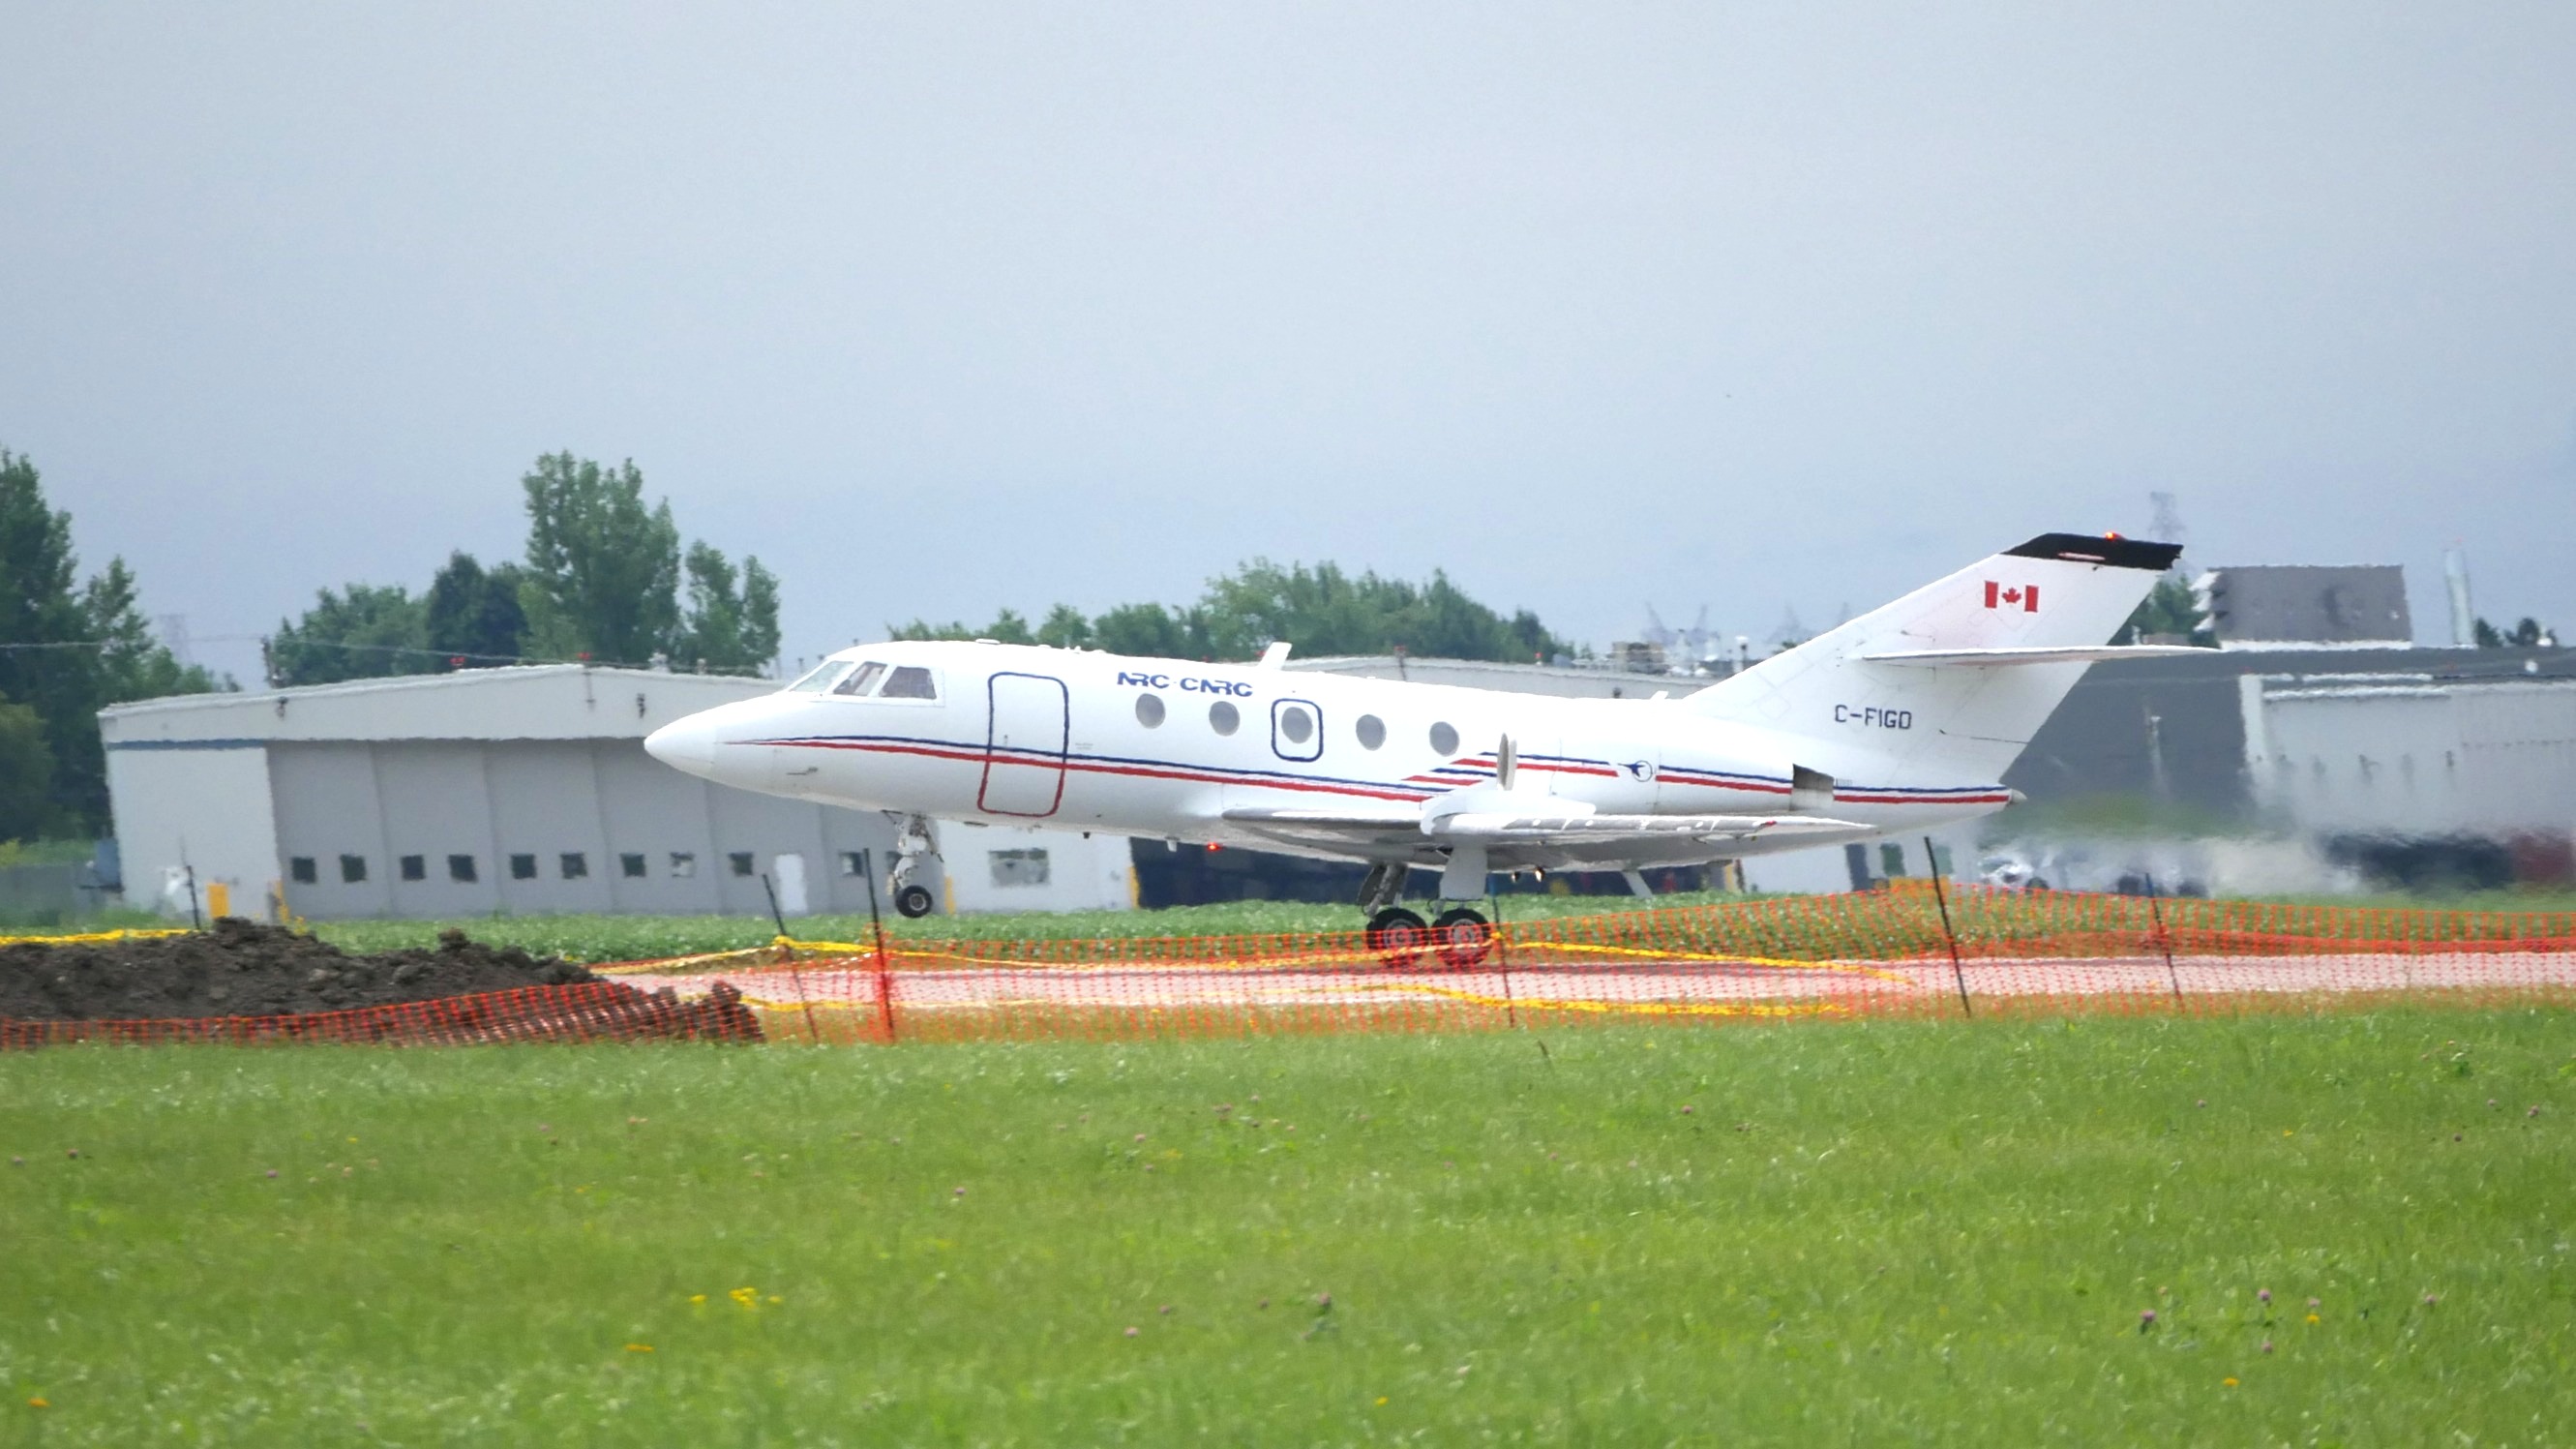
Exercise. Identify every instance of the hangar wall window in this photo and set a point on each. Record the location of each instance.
(1019, 867)
(300, 870)
(576, 865)
(631, 865)
(1224, 718)
(861, 681)
(910, 682)
(741, 862)
(415, 867)
(1149, 711)
(854, 863)
(461, 868)
(523, 867)
(683, 863)
(1444, 738)
(1370, 730)
(353, 869)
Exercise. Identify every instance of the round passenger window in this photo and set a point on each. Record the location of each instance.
(1224, 718)
(1296, 724)
(1149, 710)
(1371, 731)
(1444, 739)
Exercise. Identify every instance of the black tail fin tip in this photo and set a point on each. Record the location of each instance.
(2119, 553)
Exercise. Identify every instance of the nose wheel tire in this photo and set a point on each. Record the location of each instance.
(1464, 936)
(1398, 936)
(913, 901)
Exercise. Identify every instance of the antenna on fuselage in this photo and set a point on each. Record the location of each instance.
(1507, 763)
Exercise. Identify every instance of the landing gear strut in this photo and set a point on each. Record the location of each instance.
(912, 846)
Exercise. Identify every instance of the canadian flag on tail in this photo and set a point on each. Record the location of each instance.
(1999, 597)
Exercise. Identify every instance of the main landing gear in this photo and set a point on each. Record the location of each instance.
(1461, 936)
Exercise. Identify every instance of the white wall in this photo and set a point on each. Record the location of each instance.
(2415, 758)
(1083, 873)
(207, 805)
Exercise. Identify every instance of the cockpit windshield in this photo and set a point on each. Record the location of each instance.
(864, 681)
(821, 677)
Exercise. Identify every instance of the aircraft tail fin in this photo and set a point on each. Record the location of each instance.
(1958, 675)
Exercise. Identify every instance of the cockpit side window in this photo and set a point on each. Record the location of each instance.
(820, 677)
(910, 681)
(862, 681)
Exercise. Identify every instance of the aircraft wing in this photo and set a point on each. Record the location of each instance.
(1597, 831)
(1402, 827)
(1397, 826)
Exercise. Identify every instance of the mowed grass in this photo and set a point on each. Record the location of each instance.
(1890, 1231)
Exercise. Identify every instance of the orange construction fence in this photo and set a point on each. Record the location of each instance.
(598, 1011)
(1916, 948)
(1913, 949)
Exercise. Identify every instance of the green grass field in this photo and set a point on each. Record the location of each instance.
(1866, 1233)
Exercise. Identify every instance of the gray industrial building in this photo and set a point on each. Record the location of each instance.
(521, 790)
(2275, 607)
(2411, 765)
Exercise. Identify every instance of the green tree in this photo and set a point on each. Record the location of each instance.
(603, 570)
(1324, 611)
(1320, 610)
(473, 614)
(1007, 628)
(2169, 608)
(1147, 629)
(732, 622)
(49, 665)
(1065, 628)
(67, 652)
(2527, 633)
(367, 631)
(28, 810)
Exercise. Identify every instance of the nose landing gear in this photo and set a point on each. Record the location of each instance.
(912, 846)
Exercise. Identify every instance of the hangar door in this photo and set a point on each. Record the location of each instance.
(1024, 746)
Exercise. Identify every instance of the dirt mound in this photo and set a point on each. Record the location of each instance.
(243, 968)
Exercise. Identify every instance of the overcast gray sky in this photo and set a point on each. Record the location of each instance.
(939, 308)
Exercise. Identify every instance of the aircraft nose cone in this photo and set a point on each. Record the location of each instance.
(687, 744)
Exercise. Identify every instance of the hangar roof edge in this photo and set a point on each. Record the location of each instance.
(545, 701)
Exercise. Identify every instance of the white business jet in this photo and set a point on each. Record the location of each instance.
(1899, 720)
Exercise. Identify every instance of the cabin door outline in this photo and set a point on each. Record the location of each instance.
(1028, 730)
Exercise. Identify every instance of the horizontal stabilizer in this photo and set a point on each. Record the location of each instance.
(2033, 654)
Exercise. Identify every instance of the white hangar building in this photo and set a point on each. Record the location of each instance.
(520, 791)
